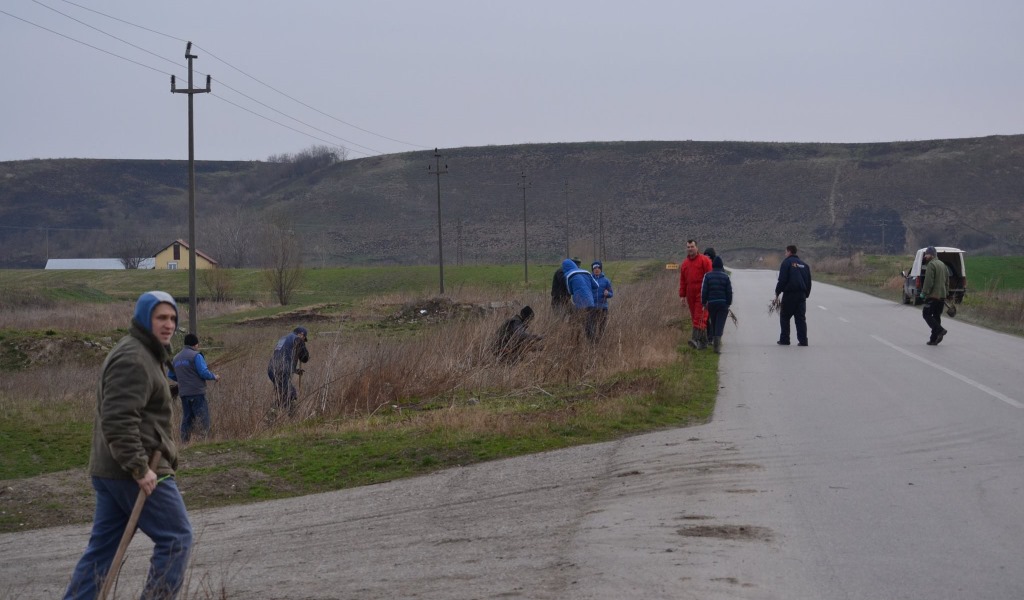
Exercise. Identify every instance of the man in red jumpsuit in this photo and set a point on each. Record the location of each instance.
(691, 277)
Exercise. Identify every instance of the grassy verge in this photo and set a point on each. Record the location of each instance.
(313, 457)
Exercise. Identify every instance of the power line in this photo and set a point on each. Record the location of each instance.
(267, 85)
(106, 33)
(123, 21)
(297, 120)
(250, 111)
(201, 73)
(83, 43)
(218, 97)
(311, 107)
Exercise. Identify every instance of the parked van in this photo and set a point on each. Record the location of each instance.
(953, 258)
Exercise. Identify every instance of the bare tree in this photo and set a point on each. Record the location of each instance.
(283, 271)
(310, 159)
(322, 243)
(232, 239)
(217, 283)
(132, 249)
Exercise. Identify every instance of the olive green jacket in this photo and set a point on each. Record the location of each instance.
(936, 280)
(133, 410)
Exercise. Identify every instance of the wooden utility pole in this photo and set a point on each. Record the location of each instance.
(436, 170)
(526, 270)
(193, 316)
(567, 219)
(458, 242)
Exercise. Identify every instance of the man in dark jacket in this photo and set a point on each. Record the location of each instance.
(133, 421)
(561, 299)
(716, 297)
(289, 351)
(514, 338)
(795, 286)
(191, 373)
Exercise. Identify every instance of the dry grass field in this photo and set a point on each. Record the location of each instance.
(399, 383)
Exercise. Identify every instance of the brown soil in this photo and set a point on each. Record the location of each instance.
(66, 497)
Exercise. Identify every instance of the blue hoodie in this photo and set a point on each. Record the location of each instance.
(581, 284)
(145, 306)
(603, 283)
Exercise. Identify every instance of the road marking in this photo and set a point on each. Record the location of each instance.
(822, 307)
(963, 378)
(844, 319)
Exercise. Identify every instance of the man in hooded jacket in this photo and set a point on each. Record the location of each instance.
(934, 290)
(583, 288)
(561, 299)
(514, 338)
(716, 296)
(133, 421)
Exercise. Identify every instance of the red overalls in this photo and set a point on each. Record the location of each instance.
(691, 277)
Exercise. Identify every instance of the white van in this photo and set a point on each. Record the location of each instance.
(953, 258)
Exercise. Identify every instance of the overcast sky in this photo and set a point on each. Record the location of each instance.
(380, 76)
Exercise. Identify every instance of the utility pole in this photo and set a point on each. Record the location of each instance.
(193, 316)
(526, 272)
(567, 219)
(436, 170)
(458, 242)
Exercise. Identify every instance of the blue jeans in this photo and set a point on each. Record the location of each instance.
(163, 519)
(194, 408)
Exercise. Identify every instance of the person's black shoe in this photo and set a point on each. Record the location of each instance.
(782, 343)
(938, 338)
(802, 344)
(932, 343)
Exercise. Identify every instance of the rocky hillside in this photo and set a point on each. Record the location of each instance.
(623, 200)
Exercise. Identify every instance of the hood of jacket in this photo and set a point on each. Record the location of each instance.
(147, 303)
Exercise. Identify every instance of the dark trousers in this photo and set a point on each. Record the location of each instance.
(932, 313)
(286, 393)
(794, 306)
(717, 315)
(194, 409)
(586, 320)
(600, 322)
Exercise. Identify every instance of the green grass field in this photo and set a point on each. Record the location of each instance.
(331, 285)
(995, 272)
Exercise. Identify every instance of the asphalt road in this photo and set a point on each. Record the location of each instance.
(866, 466)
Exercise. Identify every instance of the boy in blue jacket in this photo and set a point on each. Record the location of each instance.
(716, 297)
(604, 292)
